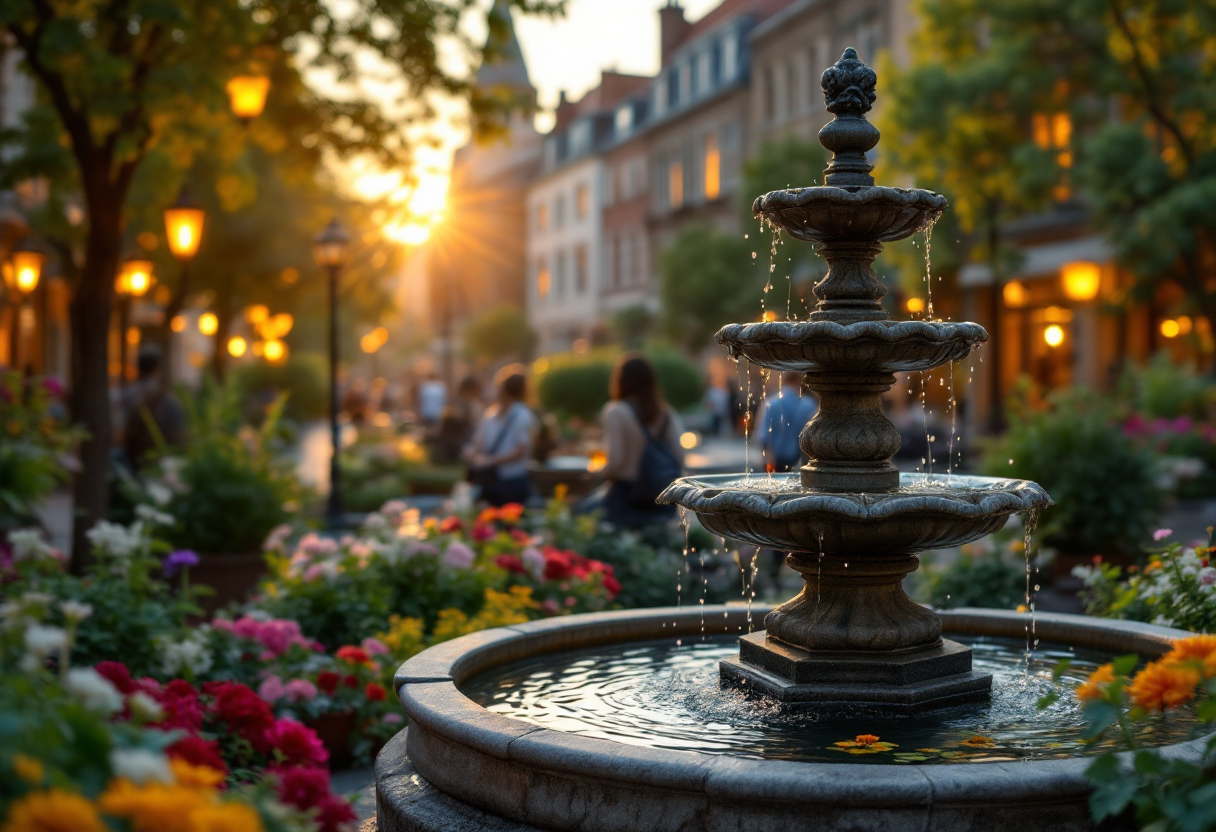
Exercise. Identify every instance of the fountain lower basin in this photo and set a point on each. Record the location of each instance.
(462, 767)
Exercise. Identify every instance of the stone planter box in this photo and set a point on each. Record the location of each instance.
(461, 767)
(232, 576)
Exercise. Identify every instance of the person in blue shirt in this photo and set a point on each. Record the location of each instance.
(781, 420)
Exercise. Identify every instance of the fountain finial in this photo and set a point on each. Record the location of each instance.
(848, 90)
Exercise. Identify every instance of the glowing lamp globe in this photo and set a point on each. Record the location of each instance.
(330, 247)
(1081, 280)
(208, 324)
(247, 95)
(26, 270)
(135, 279)
(1054, 335)
(184, 226)
(237, 346)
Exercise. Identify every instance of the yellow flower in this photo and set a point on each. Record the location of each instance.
(1161, 685)
(404, 637)
(29, 769)
(226, 817)
(53, 811)
(153, 807)
(1093, 687)
(192, 776)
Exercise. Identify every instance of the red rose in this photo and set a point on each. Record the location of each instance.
(296, 744)
(327, 681)
(179, 700)
(520, 536)
(375, 692)
(612, 585)
(243, 711)
(198, 752)
(335, 813)
(354, 655)
(511, 563)
(557, 564)
(482, 531)
(451, 524)
(117, 675)
(302, 788)
(350, 681)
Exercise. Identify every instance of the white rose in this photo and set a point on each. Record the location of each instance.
(140, 765)
(93, 690)
(27, 544)
(41, 641)
(75, 611)
(144, 708)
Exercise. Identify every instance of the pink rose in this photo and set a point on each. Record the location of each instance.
(458, 555)
(301, 690)
(272, 689)
(375, 646)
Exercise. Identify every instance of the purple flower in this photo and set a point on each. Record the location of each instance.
(1162, 534)
(176, 560)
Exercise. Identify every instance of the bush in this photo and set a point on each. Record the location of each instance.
(301, 378)
(500, 333)
(1106, 500)
(988, 573)
(1165, 389)
(576, 386)
(33, 445)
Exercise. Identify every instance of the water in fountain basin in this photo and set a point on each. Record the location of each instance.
(653, 694)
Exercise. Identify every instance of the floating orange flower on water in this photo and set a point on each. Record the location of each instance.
(53, 811)
(865, 739)
(863, 744)
(1161, 685)
(978, 741)
(1093, 687)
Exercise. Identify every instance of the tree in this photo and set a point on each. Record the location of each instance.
(126, 77)
(1011, 104)
(498, 333)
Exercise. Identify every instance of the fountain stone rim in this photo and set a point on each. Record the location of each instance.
(547, 778)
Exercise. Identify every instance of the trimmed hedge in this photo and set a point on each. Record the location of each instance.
(576, 386)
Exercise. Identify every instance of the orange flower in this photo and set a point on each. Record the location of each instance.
(865, 739)
(1093, 687)
(190, 775)
(488, 515)
(1161, 685)
(53, 811)
(511, 512)
(1195, 647)
(979, 742)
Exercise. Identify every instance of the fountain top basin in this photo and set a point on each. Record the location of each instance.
(869, 213)
(861, 347)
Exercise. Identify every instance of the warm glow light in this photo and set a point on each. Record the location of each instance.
(247, 95)
(1054, 335)
(135, 279)
(915, 305)
(257, 313)
(178, 324)
(208, 323)
(276, 327)
(330, 247)
(410, 233)
(26, 270)
(540, 365)
(1170, 328)
(769, 315)
(184, 226)
(688, 440)
(1185, 325)
(580, 346)
(374, 340)
(237, 346)
(1014, 293)
(274, 351)
(133, 335)
(1081, 280)
(713, 168)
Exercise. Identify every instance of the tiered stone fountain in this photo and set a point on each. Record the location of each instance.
(852, 525)
(850, 521)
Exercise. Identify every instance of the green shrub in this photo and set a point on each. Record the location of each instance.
(576, 386)
(1164, 388)
(988, 573)
(33, 445)
(1105, 498)
(302, 378)
(498, 333)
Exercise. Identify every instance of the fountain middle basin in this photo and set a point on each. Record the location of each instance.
(460, 766)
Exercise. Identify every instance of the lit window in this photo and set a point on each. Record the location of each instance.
(542, 216)
(624, 120)
(1054, 132)
(582, 200)
(580, 270)
(543, 278)
(675, 185)
(713, 167)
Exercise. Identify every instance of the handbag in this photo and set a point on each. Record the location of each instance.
(658, 469)
(487, 475)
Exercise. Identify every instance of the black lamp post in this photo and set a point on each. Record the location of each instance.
(330, 249)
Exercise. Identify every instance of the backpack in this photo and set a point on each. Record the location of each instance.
(782, 443)
(658, 468)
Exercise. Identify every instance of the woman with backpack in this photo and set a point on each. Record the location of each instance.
(642, 445)
(501, 448)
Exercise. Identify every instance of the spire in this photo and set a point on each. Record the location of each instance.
(503, 65)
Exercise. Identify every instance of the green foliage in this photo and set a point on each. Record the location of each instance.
(33, 445)
(988, 573)
(375, 472)
(230, 489)
(500, 333)
(707, 279)
(301, 379)
(631, 326)
(576, 386)
(1165, 388)
(1101, 482)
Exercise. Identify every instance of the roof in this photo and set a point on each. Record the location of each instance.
(613, 88)
(762, 9)
(504, 64)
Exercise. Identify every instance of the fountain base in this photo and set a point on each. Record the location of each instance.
(899, 682)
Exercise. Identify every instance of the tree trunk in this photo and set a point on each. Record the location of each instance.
(90, 399)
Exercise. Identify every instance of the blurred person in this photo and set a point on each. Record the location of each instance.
(642, 445)
(501, 447)
(781, 421)
(459, 421)
(151, 414)
(354, 401)
(717, 403)
(432, 398)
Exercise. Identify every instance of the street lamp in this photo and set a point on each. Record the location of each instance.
(21, 277)
(134, 281)
(1081, 280)
(184, 231)
(247, 96)
(330, 249)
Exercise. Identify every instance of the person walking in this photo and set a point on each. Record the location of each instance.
(642, 445)
(781, 421)
(501, 448)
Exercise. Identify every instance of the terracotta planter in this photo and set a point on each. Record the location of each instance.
(232, 576)
(334, 730)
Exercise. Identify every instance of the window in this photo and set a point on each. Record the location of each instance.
(713, 167)
(675, 184)
(580, 269)
(560, 283)
(582, 201)
(559, 211)
(543, 279)
(624, 120)
(580, 138)
(1053, 132)
(686, 80)
(705, 81)
(730, 58)
(673, 88)
(542, 216)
